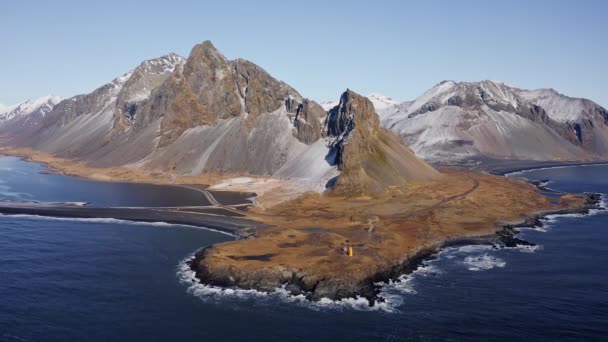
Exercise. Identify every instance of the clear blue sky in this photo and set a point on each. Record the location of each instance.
(397, 48)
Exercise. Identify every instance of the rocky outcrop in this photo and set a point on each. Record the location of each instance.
(308, 121)
(315, 287)
(369, 157)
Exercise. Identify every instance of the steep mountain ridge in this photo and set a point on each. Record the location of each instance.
(211, 88)
(138, 87)
(459, 120)
(369, 157)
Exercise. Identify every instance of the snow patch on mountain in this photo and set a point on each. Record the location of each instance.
(559, 107)
(457, 120)
(41, 105)
(381, 102)
(149, 74)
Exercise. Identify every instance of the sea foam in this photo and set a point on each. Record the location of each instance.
(111, 221)
(213, 293)
(483, 262)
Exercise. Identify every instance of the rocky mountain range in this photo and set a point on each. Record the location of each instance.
(207, 113)
(30, 111)
(460, 120)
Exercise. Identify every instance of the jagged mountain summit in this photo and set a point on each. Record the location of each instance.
(369, 157)
(35, 108)
(460, 120)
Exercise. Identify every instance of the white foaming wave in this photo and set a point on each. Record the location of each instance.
(209, 293)
(548, 220)
(393, 290)
(111, 221)
(545, 227)
(528, 248)
(473, 248)
(603, 208)
(554, 217)
(6, 192)
(521, 172)
(483, 262)
(78, 204)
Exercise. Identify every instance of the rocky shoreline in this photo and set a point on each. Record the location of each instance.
(315, 288)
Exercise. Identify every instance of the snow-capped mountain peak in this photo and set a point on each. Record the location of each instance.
(381, 102)
(148, 75)
(456, 120)
(560, 107)
(327, 105)
(41, 105)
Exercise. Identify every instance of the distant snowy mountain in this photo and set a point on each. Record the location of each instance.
(84, 125)
(381, 102)
(327, 105)
(560, 107)
(39, 107)
(458, 120)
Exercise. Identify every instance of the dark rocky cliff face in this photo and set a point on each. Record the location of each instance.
(307, 121)
(369, 158)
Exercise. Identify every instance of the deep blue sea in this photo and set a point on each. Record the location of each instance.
(105, 280)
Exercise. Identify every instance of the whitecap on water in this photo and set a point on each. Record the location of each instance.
(474, 248)
(483, 262)
(528, 248)
(109, 221)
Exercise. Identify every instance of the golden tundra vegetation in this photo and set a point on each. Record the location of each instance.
(384, 228)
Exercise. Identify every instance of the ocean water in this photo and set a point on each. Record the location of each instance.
(23, 181)
(104, 280)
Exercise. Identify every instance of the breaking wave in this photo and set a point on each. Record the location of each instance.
(212, 293)
(110, 221)
(521, 172)
(483, 262)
